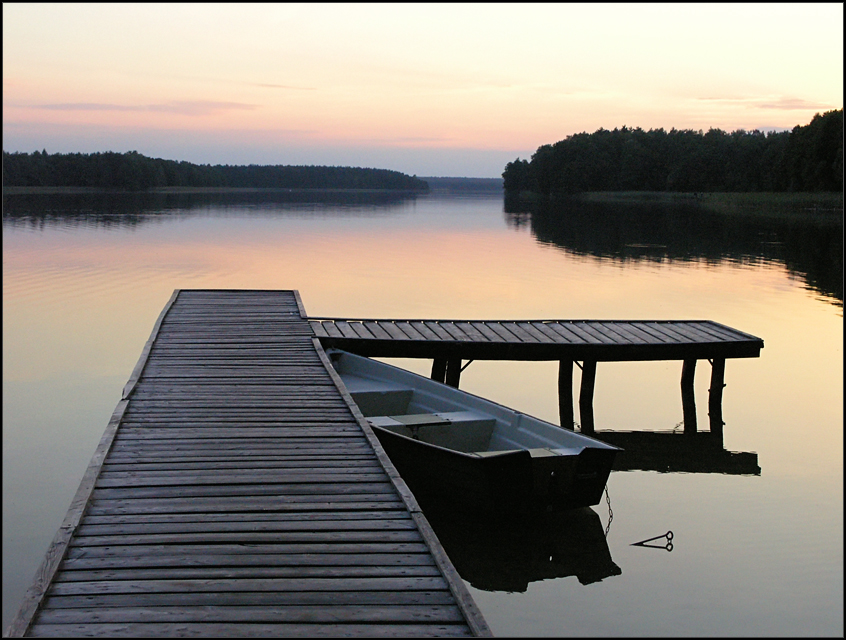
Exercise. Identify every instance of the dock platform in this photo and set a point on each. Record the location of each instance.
(449, 343)
(238, 492)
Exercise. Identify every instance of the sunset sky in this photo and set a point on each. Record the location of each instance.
(430, 90)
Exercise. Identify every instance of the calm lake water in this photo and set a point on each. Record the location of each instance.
(757, 544)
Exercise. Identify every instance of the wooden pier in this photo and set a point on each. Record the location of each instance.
(453, 344)
(237, 492)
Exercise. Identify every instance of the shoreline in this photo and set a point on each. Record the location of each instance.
(824, 206)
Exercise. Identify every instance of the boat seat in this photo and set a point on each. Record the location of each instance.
(378, 397)
(465, 431)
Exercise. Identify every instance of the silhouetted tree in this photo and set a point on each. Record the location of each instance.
(808, 158)
(132, 171)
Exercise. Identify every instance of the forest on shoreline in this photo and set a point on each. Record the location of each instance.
(132, 171)
(806, 159)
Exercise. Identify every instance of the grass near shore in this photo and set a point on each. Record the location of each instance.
(731, 202)
(824, 207)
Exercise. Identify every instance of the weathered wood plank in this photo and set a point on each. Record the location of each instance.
(254, 550)
(332, 329)
(569, 336)
(246, 524)
(289, 486)
(692, 334)
(234, 585)
(504, 333)
(424, 330)
(361, 330)
(623, 332)
(576, 329)
(250, 537)
(346, 330)
(439, 331)
(657, 336)
(271, 598)
(471, 332)
(250, 630)
(378, 330)
(190, 432)
(598, 332)
(408, 329)
(366, 462)
(718, 331)
(519, 332)
(172, 518)
(546, 330)
(454, 332)
(262, 572)
(485, 330)
(222, 479)
(272, 503)
(394, 332)
(535, 332)
(314, 614)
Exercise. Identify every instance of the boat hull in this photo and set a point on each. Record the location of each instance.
(452, 446)
(510, 481)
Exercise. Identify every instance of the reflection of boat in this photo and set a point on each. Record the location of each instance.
(506, 554)
(669, 452)
(456, 445)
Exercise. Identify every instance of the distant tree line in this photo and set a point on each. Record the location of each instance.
(132, 171)
(464, 185)
(808, 158)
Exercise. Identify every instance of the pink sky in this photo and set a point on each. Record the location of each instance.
(454, 90)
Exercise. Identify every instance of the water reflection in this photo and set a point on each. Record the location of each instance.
(810, 246)
(128, 209)
(506, 554)
(676, 451)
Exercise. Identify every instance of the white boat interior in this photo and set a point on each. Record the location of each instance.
(417, 407)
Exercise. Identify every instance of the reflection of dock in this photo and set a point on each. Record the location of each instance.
(506, 554)
(668, 452)
(451, 342)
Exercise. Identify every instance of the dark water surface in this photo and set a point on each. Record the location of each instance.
(756, 519)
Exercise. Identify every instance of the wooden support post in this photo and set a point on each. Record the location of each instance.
(565, 393)
(439, 367)
(715, 395)
(688, 397)
(586, 395)
(453, 372)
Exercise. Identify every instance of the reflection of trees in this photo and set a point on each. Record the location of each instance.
(128, 209)
(812, 248)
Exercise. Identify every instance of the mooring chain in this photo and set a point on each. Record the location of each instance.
(610, 513)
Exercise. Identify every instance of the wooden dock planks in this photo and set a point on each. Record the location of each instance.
(596, 340)
(237, 493)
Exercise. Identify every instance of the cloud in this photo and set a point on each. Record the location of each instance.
(793, 103)
(282, 86)
(185, 107)
(769, 102)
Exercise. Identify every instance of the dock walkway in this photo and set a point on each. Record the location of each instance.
(238, 492)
